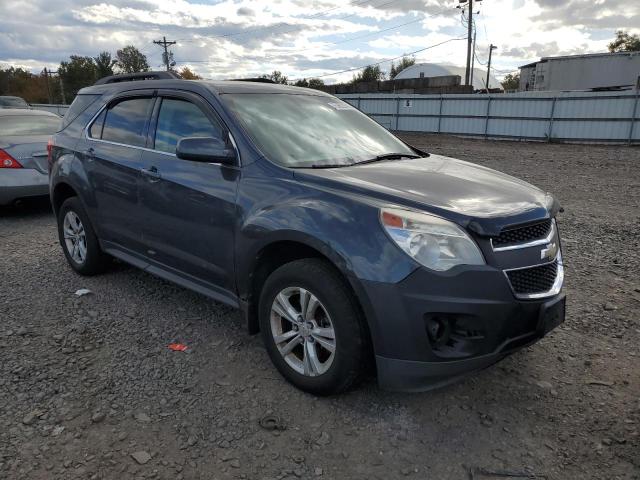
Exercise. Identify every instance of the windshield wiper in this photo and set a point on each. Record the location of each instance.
(388, 156)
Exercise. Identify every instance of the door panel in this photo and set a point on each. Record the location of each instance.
(189, 217)
(189, 210)
(112, 158)
(114, 173)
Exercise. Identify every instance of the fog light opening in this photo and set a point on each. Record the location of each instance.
(439, 330)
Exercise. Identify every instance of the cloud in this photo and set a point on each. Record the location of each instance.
(234, 38)
(245, 12)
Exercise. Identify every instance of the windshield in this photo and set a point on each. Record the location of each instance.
(28, 125)
(306, 130)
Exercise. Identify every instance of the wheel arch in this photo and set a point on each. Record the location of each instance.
(61, 192)
(278, 253)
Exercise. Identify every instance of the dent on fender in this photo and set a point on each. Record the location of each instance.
(327, 226)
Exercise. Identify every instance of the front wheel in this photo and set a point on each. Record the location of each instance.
(312, 328)
(78, 240)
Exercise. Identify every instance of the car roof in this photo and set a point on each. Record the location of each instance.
(233, 86)
(220, 87)
(8, 112)
(13, 97)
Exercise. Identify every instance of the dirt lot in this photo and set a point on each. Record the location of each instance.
(89, 389)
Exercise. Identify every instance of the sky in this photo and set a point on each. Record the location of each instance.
(221, 39)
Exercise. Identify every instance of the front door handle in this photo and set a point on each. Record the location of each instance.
(152, 174)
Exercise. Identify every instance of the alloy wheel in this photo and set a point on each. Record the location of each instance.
(302, 331)
(75, 238)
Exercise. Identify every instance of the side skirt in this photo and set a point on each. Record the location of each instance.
(222, 296)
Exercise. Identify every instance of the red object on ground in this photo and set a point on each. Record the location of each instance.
(177, 347)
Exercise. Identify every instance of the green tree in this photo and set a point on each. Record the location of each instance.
(402, 64)
(277, 77)
(131, 60)
(316, 83)
(187, 74)
(511, 81)
(625, 42)
(104, 65)
(77, 73)
(22, 83)
(370, 73)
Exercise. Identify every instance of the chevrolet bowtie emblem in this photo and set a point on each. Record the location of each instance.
(549, 252)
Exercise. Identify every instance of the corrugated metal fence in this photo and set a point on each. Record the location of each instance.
(551, 116)
(59, 109)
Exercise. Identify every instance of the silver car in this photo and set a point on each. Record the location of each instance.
(24, 135)
(7, 101)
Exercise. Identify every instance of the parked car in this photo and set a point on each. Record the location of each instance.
(7, 101)
(340, 243)
(23, 153)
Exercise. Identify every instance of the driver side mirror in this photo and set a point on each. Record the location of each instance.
(205, 149)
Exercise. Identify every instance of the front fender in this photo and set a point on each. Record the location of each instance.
(346, 230)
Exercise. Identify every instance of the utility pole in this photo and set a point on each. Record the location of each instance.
(46, 76)
(492, 47)
(64, 99)
(166, 56)
(469, 41)
(473, 56)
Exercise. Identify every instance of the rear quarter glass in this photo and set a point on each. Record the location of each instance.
(79, 105)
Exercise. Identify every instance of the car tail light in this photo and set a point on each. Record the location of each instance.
(7, 161)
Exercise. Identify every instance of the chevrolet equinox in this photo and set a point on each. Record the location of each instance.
(341, 244)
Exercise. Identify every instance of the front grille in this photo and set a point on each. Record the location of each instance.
(514, 236)
(529, 281)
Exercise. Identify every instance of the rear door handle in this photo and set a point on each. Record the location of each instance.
(152, 174)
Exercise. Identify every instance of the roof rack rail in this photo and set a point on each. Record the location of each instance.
(130, 77)
(257, 80)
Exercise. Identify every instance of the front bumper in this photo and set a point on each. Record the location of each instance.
(16, 183)
(432, 328)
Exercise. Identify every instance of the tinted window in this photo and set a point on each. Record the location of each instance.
(29, 125)
(179, 119)
(126, 120)
(79, 105)
(96, 127)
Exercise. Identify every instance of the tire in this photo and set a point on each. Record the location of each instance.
(336, 311)
(88, 259)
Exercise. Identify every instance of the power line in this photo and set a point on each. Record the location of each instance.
(357, 37)
(386, 60)
(281, 24)
(478, 60)
(391, 28)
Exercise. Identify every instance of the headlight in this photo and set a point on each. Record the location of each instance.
(432, 241)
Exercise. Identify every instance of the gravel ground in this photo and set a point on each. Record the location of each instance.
(89, 389)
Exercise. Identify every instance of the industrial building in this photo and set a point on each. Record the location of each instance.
(598, 71)
(427, 70)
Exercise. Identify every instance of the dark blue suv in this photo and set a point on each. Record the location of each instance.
(344, 246)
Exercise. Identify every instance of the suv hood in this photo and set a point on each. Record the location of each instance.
(476, 197)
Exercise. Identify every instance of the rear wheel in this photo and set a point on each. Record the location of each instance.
(312, 328)
(78, 240)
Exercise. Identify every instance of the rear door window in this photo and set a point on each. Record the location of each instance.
(96, 127)
(126, 121)
(179, 119)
